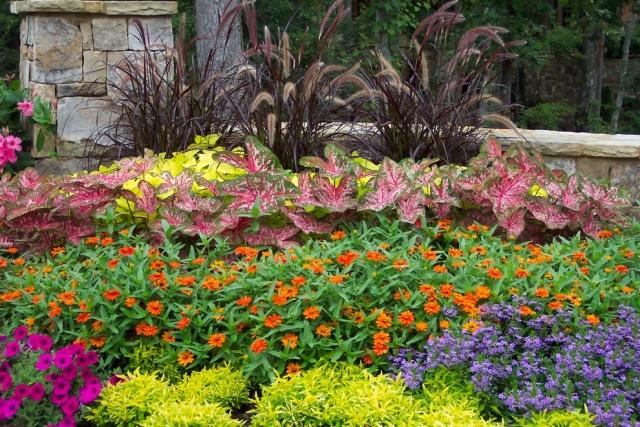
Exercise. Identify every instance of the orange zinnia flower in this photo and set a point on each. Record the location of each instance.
(366, 359)
(183, 323)
(67, 298)
(244, 301)
(293, 368)
(593, 319)
(555, 305)
(446, 290)
(126, 251)
(347, 258)
(113, 263)
(249, 253)
(159, 280)
(258, 346)
(542, 293)
(279, 299)
(471, 326)
(604, 234)
(129, 302)
(83, 317)
(311, 313)
(97, 326)
(146, 329)
(57, 251)
(525, 310)
(627, 290)
(380, 343)
(384, 321)
(521, 273)
(211, 283)
(156, 264)
(323, 330)
(185, 358)
(440, 268)
(290, 341)
(273, 321)
(217, 340)
(92, 241)
(421, 326)
(623, 269)
(155, 307)
(375, 256)
(168, 337)
(111, 294)
(400, 264)
(480, 250)
(444, 324)
(428, 290)
(186, 280)
(482, 292)
(432, 307)
(298, 281)
(106, 241)
(455, 253)
(494, 273)
(406, 318)
(336, 279)
(97, 342)
(338, 235)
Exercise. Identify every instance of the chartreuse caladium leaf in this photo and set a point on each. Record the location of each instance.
(390, 182)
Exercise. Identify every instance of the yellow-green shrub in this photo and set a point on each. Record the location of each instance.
(221, 385)
(128, 403)
(556, 419)
(338, 395)
(188, 414)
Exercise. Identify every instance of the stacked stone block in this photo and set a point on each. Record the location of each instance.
(69, 52)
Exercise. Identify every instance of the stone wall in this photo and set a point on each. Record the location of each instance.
(69, 52)
(611, 158)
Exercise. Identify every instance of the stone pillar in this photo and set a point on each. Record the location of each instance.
(68, 51)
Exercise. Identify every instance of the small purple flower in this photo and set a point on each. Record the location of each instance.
(12, 349)
(20, 333)
(44, 362)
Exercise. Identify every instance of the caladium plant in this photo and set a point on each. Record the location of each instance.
(261, 203)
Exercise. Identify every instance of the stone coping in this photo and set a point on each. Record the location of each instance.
(137, 8)
(573, 144)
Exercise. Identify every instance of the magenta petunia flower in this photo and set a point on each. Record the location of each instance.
(90, 392)
(26, 108)
(20, 333)
(63, 358)
(44, 362)
(36, 392)
(9, 408)
(12, 349)
(40, 342)
(5, 381)
(70, 406)
(21, 391)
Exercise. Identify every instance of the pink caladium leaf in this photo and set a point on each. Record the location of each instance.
(263, 191)
(257, 158)
(75, 230)
(513, 223)
(114, 179)
(6, 241)
(336, 198)
(174, 217)
(390, 182)
(186, 202)
(147, 199)
(508, 193)
(591, 226)
(337, 163)
(307, 223)
(180, 184)
(442, 196)
(530, 164)
(604, 197)
(493, 148)
(276, 236)
(35, 220)
(208, 205)
(304, 196)
(138, 165)
(421, 173)
(411, 206)
(29, 179)
(93, 197)
(571, 197)
(202, 224)
(552, 216)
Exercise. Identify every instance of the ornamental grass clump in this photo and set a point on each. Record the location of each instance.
(533, 364)
(40, 385)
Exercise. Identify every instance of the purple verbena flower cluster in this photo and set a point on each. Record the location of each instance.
(540, 364)
(67, 378)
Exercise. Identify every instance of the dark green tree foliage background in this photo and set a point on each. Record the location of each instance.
(555, 30)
